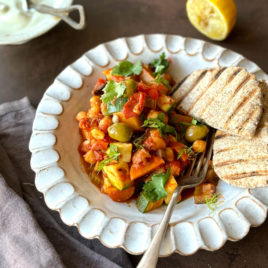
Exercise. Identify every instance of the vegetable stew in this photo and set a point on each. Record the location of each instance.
(134, 142)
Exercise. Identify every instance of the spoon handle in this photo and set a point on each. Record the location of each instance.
(150, 257)
(63, 13)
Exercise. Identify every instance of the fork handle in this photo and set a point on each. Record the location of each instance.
(150, 257)
(63, 13)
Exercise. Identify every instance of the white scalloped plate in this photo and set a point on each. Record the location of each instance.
(67, 188)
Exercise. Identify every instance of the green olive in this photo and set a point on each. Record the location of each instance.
(120, 132)
(131, 86)
(196, 132)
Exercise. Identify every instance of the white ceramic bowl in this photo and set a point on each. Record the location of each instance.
(67, 188)
(35, 29)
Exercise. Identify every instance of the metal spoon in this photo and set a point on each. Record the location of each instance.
(62, 13)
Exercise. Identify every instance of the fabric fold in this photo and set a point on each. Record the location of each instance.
(31, 234)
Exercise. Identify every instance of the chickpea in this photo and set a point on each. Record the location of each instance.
(199, 146)
(97, 134)
(81, 115)
(155, 114)
(90, 157)
(95, 100)
(105, 123)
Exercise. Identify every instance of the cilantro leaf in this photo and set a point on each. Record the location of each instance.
(117, 105)
(112, 90)
(154, 123)
(159, 124)
(138, 142)
(161, 80)
(160, 65)
(126, 68)
(154, 189)
(112, 153)
(170, 130)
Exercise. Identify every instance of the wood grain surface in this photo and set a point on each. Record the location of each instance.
(28, 69)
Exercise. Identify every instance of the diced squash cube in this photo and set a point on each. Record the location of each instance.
(136, 172)
(146, 75)
(96, 178)
(144, 205)
(134, 122)
(203, 192)
(125, 150)
(118, 175)
(108, 73)
(165, 103)
(120, 196)
(170, 187)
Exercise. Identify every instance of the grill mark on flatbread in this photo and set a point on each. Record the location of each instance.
(217, 75)
(245, 100)
(236, 161)
(224, 150)
(179, 84)
(194, 85)
(246, 79)
(246, 175)
(250, 118)
(213, 97)
(220, 136)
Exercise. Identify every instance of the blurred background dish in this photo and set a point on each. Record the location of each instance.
(18, 26)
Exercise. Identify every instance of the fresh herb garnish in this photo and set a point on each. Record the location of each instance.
(117, 105)
(161, 80)
(213, 202)
(126, 68)
(138, 142)
(190, 153)
(160, 65)
(182, 131)
(112, 90)
(159, 124)
(196, 122)
(154, 189)
(112, 153)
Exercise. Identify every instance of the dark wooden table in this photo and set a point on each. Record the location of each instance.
(27, 70)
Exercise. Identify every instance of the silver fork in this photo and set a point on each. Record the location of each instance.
(192, 178)
(62, 13)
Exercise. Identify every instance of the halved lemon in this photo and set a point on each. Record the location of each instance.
(213, 18)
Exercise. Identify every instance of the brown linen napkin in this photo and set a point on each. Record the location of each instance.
(31, 235)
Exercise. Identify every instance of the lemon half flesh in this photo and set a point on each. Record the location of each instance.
(213, 18)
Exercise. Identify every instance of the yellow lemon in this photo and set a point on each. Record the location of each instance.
(213, 18)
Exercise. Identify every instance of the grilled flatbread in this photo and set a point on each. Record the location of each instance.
(241, 162)
(262, 129)
(228, 99)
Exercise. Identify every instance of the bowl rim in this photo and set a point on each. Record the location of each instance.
(47, 24)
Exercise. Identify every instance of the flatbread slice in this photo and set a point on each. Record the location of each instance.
(262, 129)
(228, 99)
(241, 162)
